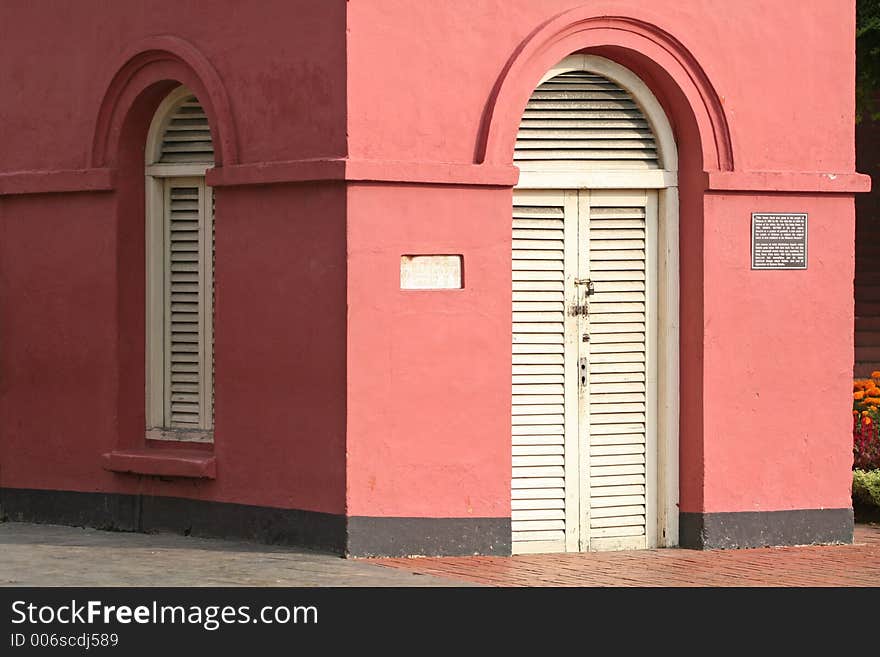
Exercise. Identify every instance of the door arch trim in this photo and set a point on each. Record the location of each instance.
(589, 27)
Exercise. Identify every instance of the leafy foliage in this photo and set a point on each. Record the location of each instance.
(867, 58)
(866, 486)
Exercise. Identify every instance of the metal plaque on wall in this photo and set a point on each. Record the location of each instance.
(779, 240)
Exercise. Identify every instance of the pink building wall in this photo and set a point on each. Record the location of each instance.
(352, 413)
(776, 394)
(768, 64)
(765, 392)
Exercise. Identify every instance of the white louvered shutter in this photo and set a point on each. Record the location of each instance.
(188, 291)
(620, 225)
(180, 271)
(187, 137)
(580, 120)
(544, 477)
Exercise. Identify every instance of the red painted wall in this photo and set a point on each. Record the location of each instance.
(282, 62)
(279, 348)
(58, 339)
(71, 265)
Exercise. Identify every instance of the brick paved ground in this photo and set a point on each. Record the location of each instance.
(47, 555)
(828, 565)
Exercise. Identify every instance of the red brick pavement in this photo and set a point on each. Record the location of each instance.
(819, 565)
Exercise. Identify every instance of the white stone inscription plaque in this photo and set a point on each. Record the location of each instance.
(430, 272)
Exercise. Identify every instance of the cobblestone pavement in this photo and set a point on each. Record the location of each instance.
(49, 555)
(820, 566)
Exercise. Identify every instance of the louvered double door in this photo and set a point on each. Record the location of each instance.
(583, 379)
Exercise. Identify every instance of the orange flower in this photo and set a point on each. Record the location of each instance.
(875, 374)
(867, 420)
(872, 401)
(858, 396)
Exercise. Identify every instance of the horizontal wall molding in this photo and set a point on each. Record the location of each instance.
(750, 529)
(787, 181)
(426, 173)
(352, 170)
(56, 182)
(437, 173)
(273, 173)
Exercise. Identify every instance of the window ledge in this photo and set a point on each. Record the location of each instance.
(162, 463)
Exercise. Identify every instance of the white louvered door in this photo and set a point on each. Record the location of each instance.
(617, 403)
(188, 293)
(544, 428)
(584, 386)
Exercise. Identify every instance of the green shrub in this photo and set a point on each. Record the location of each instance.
(866, 486)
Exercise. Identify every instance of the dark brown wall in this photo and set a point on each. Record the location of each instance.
(867, 283)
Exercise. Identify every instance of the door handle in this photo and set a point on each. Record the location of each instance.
(588, 285)
(584, 289)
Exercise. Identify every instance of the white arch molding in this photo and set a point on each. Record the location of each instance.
(665, 181)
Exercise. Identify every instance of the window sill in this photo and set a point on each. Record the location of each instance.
(162, 463)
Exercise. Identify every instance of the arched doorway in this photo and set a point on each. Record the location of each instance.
(595, 315)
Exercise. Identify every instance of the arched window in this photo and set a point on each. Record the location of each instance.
(579, 120)
(180, 268)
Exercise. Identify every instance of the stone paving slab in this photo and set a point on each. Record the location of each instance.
(50, 555)
(813, 566)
